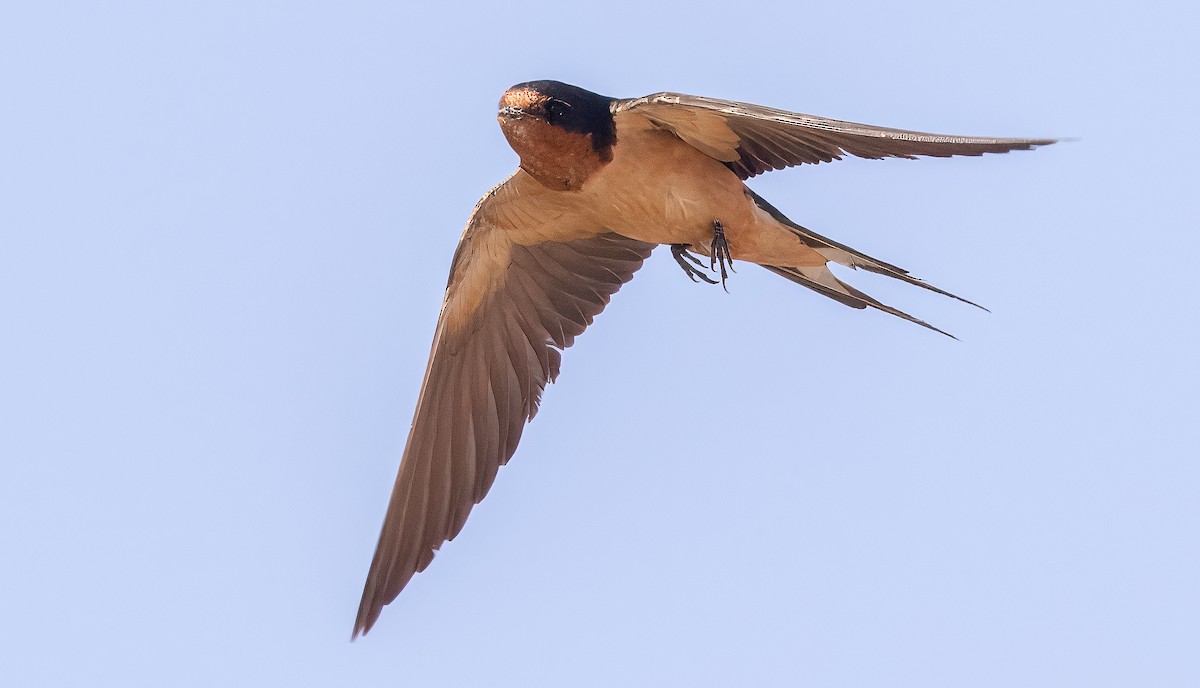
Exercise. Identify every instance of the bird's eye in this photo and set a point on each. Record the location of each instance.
(555, 110)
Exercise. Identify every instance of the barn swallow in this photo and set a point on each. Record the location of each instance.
(602, 181)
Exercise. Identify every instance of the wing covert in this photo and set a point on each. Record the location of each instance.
(752, 139)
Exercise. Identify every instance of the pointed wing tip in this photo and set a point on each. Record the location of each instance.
(362, 625)
(1034, 143)
(1057, 139)
(369, 609)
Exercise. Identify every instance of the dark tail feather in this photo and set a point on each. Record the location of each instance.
(825, 283)
(844, 255)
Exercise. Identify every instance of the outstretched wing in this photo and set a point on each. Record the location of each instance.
(510, 307)
(752, 139)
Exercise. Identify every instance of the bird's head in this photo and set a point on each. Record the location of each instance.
(563, 133)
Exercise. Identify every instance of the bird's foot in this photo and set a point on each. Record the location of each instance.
(719, 252)
(680, 252)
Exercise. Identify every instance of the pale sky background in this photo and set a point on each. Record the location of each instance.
(225, 228)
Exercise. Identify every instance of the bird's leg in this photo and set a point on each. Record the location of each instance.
(680, 252)
(719, 252)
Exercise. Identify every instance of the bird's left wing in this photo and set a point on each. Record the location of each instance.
(509, 309)
(752, 139)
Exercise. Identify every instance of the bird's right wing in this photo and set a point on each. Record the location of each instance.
(509, 309)
(752, 139)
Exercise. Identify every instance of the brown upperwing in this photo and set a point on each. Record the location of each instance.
(509, 309)
(752, 139)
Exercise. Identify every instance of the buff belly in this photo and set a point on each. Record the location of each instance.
(659, 189)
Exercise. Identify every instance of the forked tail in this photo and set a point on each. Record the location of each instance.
(821, 280)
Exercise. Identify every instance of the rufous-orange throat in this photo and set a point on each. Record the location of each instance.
(557, 158)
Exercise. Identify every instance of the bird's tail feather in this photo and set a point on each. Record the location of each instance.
(821, 280)
(844, 255)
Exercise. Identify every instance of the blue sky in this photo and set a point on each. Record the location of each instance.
(224, 232)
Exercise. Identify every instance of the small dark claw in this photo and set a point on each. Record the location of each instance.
(683, 249)
(680, 252)
(719, 253)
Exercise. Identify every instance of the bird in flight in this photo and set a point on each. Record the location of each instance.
(602, 182)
